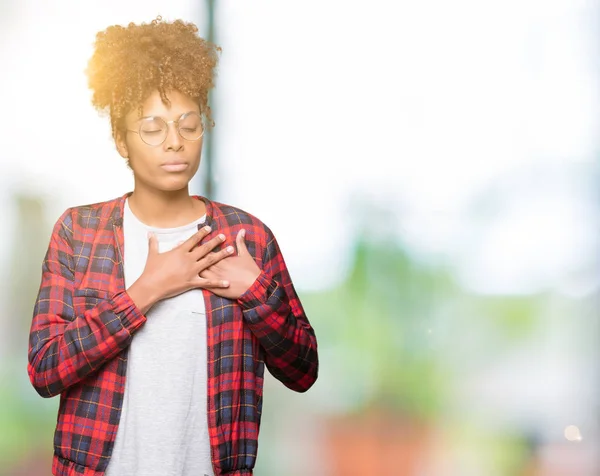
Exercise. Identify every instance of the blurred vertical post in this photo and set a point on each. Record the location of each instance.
(208, 153)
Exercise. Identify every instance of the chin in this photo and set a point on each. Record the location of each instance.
(173, 185)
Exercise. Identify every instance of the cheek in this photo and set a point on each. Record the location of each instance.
(144, 155)
(142, 164)
(195, 154)
(196, 148)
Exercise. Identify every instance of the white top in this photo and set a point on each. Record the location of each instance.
(163, 430)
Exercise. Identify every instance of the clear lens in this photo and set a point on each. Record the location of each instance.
(153, 131)
(190, 126)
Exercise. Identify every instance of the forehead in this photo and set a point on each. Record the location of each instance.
(154, 106)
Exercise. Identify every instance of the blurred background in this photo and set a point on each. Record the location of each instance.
(438, 209)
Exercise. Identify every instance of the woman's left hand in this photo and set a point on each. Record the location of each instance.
(239, 270)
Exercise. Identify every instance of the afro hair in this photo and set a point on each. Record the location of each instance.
(129, 63)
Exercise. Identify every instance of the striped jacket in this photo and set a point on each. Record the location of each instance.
(84, 321)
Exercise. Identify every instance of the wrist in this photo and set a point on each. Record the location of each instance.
(252, 279)
(143, 295)
(256, 293)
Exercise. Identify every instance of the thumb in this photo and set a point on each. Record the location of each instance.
(152, 244)
(241, 244)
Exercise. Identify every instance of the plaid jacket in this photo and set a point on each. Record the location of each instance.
(84, 321)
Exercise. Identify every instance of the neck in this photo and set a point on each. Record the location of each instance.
(165, 209)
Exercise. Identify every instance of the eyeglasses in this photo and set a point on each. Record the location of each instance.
(154, 130)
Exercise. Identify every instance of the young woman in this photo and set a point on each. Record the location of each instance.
(158, 311)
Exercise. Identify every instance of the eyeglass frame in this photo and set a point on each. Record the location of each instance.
(175, 121)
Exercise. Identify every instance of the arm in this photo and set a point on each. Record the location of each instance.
(275, 315)
(65, 348)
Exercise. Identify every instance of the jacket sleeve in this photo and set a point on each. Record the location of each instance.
(64, 348)
(275, 315)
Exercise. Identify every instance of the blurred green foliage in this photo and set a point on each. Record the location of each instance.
(27, 421)
(379, 322)
(392, 324)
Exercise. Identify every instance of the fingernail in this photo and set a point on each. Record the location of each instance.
(222, 237)
(229, 249)
(225, 283)
(243, 233)
(207, 228)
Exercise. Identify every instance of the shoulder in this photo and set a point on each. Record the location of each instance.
(90, 216)
(228, 216)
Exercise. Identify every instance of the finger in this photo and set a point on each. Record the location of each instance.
(211, 283)
(196, 238)
(152, 244)
(241, 243)
(214, 257)
(207, 247)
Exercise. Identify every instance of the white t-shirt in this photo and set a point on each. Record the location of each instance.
(163, 430)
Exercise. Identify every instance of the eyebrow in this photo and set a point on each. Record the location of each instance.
(155, 115)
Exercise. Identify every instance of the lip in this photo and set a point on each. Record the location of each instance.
(174, 166)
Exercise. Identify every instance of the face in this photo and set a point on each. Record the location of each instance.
(169, 166)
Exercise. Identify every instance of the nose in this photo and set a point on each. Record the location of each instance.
(173, 141)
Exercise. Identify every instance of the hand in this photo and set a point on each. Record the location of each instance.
(239, 271)
(178, 270)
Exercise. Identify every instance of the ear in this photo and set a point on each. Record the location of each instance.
(121, 144)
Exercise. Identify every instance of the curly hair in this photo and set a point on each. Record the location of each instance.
(129, 63)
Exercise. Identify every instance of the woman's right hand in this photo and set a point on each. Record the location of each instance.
(177, 271)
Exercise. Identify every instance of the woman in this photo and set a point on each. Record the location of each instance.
(158, 310)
